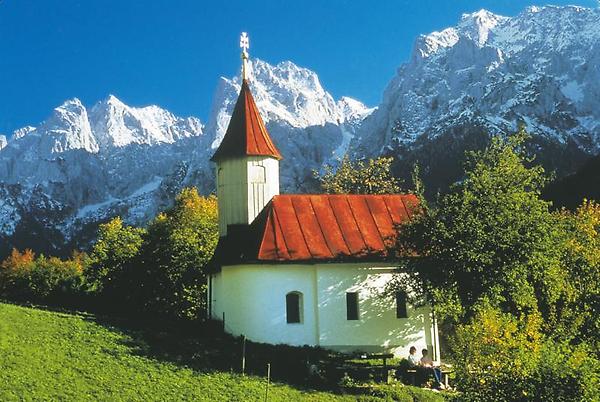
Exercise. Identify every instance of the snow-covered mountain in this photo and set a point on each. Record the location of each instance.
(83, 166)
(78, 168)
(486, 75)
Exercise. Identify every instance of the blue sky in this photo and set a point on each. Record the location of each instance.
(171, 52)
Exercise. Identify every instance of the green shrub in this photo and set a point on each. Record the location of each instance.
(503, 358)
(111, 274)
(567, 373)
(44, 280)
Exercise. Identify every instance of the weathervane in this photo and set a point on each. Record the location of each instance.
(245, 45)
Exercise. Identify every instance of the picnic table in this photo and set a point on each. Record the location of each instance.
(388, 374)
(445, 369)
(377, 356)
(350, 364)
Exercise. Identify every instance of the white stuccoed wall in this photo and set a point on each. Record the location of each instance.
(244, 186)
(253, 300)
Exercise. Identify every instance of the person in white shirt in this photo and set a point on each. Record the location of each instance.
(413, 360)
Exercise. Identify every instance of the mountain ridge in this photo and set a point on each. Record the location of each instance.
(83, 165)
(485, 76)
(481, 77)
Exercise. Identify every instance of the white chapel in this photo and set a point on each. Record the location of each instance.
(304, 269)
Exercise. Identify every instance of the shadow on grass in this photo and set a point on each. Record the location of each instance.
(204, 348)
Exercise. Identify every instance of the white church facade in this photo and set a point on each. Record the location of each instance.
(303, 269)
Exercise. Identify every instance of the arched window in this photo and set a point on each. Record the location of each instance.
(293, 307)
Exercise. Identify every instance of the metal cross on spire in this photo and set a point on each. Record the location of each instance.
(245, 45)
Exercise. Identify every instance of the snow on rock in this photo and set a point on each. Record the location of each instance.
(22, 132)
(118, 125)
(477, 26)
(3, 141)
(284, 93)
(9, 217)
(352, 110)
(487, 74)
(81, 167)
(67, 129)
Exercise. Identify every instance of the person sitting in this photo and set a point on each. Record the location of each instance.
(409, 372)
(413, 360)
(427, 364)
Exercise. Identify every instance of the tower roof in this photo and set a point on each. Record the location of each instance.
(246, 134)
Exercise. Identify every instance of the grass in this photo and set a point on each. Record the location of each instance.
(46, 355)
(54, 356)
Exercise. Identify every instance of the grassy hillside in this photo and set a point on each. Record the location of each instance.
(53, 356)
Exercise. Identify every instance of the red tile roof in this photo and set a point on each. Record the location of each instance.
(246, 133)
(313, 228)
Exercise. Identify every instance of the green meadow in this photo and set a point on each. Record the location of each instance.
(47, 355)
(55, 356)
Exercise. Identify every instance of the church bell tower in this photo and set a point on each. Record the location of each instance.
(247, 161)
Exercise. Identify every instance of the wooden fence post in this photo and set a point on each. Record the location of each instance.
(243, 354)
(268, 380)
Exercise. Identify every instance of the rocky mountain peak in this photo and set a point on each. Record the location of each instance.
(477, 26)
(353, 110)
(67, 129)
(486, 75)
(117, 125)
(285, 94)
(21, 132)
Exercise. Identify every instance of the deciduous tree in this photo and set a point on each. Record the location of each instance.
(360, 177)
(179, 244)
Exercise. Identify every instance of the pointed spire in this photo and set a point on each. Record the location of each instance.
(246, 134)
